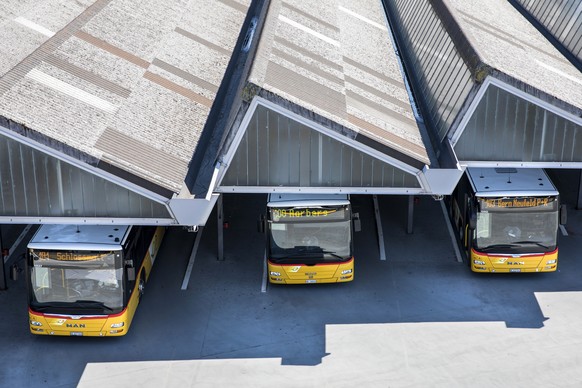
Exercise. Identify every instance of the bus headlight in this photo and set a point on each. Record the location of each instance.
(273, 273)
(551, 261)
(120, 324)
(35, 323)
(479, 262)
(346, 271)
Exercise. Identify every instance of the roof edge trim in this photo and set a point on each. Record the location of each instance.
(87, 220)
(321, 190)
(503, 163)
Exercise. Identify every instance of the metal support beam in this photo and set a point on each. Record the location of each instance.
(409, 223)
(10, 260)
(451, 232)
(579, 201)
(265, 274)
(191, 260)
(3, 284)
(220, 226)
(379, 228)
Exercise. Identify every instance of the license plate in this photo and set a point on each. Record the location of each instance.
(514, 270)
(76, 334)
(311, 281)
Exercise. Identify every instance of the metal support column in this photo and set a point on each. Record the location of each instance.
(579, 201)
(409, 224)
(220, 225)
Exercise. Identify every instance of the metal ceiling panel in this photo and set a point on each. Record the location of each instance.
(35, 186)
(277, 151)
(508, 127)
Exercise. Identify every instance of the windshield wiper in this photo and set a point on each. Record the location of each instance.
(49, 306)
(533, 242)
(92, 303)
(497, 246)
(334, 254)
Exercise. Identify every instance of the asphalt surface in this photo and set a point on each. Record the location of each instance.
(418, 319)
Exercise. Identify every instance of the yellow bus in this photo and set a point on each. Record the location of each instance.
(87, 280)
(507, 219)
(309, 239)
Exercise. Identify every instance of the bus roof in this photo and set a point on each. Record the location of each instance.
(494, 182)
(79, 237)
(293, 199)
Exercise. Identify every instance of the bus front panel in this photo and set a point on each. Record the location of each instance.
(515, 234)
(546, 262)
(310, 244)
(307, 274)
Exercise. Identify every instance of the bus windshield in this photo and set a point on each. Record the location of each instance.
(89, 280)
(517, 232)
(311, 235)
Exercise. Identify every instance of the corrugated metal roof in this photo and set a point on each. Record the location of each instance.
(562, 19)
(335, 58)
(484, 66)
(128, 83)
(507, 43)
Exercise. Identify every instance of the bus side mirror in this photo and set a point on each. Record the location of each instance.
(357, 223)
(131, 274)
(563, 215)
(472, 220)
(261, 224)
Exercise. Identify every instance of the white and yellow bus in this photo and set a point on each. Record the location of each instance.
(507, 219)
(309, 239)
(87, 280)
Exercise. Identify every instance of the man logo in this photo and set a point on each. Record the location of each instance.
(76, 325)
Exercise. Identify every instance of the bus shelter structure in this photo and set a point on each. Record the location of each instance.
(495, 89)
(111, 117)
(118, 111)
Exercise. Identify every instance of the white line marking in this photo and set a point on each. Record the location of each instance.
(264, 285)
(363, 18)
(192, 257)
(71, 90)
(34, 26)
(309, 30)
(559, 72)
(564, 231)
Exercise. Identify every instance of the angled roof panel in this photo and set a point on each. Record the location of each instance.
(561, 18)
(454, 50)
(312, 56)
(122, 85)
(508, 44)
(442, 69)
(280, 151)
